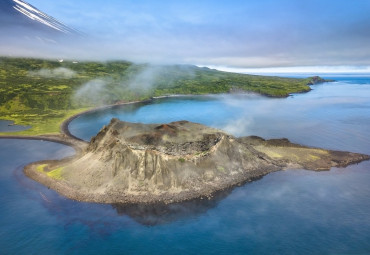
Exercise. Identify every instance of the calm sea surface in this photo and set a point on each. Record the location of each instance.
(286, 212)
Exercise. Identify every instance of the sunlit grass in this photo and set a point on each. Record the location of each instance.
(40, 168)
(40, 124)
(54, 174)
(292, 153)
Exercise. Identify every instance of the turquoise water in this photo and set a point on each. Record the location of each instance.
(286, 212)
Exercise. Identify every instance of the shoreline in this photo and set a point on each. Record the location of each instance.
(65, 136)
(69, 192)
(64, 130)
(64, 127)
(102, 172)
(78, 145)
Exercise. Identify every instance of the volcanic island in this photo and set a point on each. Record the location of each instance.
(133, 163)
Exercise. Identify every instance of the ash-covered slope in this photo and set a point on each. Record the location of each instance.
(139, 163)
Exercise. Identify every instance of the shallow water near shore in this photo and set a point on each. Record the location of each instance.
(286, 212)
(9, 126)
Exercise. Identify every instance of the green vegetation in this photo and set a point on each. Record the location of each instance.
(182, 160)
(43, 93)
(40, 168)
(55, 173)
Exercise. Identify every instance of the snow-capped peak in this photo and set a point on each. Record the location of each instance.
(35, 14)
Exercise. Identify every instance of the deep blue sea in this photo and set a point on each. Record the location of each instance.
(286, 212)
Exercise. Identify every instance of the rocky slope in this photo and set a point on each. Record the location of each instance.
(138, 163)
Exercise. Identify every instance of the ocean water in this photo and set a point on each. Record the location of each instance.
(286, 212)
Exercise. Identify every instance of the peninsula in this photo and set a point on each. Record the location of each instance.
(148, 163)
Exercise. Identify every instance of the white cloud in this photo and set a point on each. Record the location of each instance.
(60, 72)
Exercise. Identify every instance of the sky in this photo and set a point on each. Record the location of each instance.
(227, 34)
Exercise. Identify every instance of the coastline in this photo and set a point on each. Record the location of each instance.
(64, 130)
(78, 145)
(206, 193)
(95, 176)
(65, 137)
(64, 127)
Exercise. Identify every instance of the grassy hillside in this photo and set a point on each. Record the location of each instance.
(42, 93)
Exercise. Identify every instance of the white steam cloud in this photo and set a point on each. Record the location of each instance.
(137, 81)
(60, 72)
(239, 127)
(91, 92)
(144, 79)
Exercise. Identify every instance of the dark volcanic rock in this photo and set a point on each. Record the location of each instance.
(147, 163)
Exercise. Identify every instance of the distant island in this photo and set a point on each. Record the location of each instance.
(43, 93)
(149, 163)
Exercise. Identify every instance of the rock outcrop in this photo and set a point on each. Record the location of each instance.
(147, 163)
(317, 80)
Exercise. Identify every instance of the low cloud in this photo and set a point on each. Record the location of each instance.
(60, 72)
(91, 93)
(239, 127)
(143, 80)
(136, 81)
